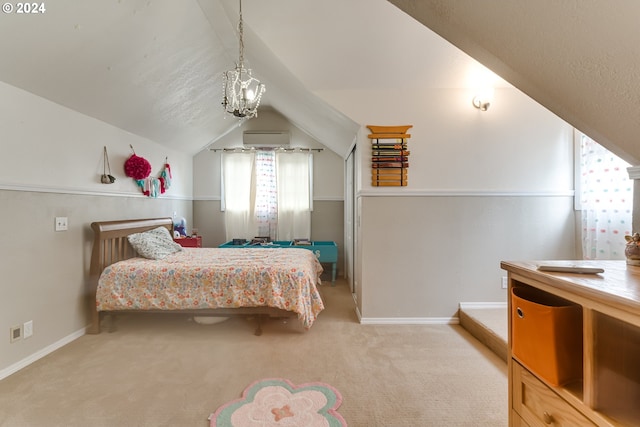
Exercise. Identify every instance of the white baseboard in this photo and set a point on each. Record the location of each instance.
(409, 320)
(41, 353)
(406, 320)
(471, 305)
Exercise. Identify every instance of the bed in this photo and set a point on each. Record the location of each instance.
(255, 282)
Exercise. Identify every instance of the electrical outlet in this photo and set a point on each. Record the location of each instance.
(505, 283)
(15, 333)
(27, 329)
(61, 223)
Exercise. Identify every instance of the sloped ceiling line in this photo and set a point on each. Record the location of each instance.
(580, 60)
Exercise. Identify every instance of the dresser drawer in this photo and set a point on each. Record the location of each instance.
(538, 405)
(516, 420)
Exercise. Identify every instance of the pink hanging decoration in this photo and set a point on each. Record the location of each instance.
(165, 178)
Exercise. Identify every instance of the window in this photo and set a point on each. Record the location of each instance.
(605, 198)
(267, 193)
(294, 172)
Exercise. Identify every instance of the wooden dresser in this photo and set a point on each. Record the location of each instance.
(608, 392)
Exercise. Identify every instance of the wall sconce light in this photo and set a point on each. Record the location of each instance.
(483, 98)
(480, 103)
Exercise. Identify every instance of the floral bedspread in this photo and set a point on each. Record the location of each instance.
(200, 278)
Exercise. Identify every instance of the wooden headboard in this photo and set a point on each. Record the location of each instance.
(110, 245)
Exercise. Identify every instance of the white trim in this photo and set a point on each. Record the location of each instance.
(481, 305)
(434, 193)
(403, 320)
(634, 172)
(219, 198)
(409, 320)
(207, 199)
(310, 164)
(577, 159)
(80, 191)
(40, 354)
(464, 193)
(328, 199)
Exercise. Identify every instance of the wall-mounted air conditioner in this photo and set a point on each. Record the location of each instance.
(265, 138)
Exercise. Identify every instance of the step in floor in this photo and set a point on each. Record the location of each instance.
(487, 325)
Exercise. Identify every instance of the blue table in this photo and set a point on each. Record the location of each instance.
(325, 251)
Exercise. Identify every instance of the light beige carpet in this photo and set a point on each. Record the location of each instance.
(170, 371)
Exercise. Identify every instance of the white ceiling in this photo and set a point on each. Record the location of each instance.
(153, 67)
(580, 59)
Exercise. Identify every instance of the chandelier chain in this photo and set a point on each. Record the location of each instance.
(241, 36)
(242, 91)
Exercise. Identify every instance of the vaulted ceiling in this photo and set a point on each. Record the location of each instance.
(153, 67)
(580, 59)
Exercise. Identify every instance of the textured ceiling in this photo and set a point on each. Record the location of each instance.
(578, 58)
(153, 67)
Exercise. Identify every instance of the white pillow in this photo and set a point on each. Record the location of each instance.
(154, 244)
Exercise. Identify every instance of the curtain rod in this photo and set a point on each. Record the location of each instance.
(287, 150)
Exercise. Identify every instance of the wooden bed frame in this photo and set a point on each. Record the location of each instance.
(110, 245)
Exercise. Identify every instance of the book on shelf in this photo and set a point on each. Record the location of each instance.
(390, 165)
(302, 242)
(390, 172)
(389, 146)
(391, 152)
(387, 142)
(389, 159)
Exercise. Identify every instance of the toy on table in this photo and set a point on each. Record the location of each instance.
(180, 226)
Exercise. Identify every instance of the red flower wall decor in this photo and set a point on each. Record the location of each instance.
(137, 167)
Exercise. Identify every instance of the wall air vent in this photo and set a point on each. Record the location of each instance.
(265, 138)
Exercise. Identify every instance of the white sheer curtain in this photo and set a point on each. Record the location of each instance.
(294, 195)
(606, 200)
(237, 184)
(267, 194)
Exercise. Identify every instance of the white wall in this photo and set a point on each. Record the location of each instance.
(497, 184)
(328, 178)
(50, 165)
(45, 145)
(447, 249)
(328, 166)
(483, 187)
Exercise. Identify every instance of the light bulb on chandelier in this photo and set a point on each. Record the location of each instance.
(242, 91)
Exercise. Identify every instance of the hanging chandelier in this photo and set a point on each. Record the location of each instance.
(242, 91)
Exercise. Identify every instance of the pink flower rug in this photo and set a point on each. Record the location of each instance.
(278, 402)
